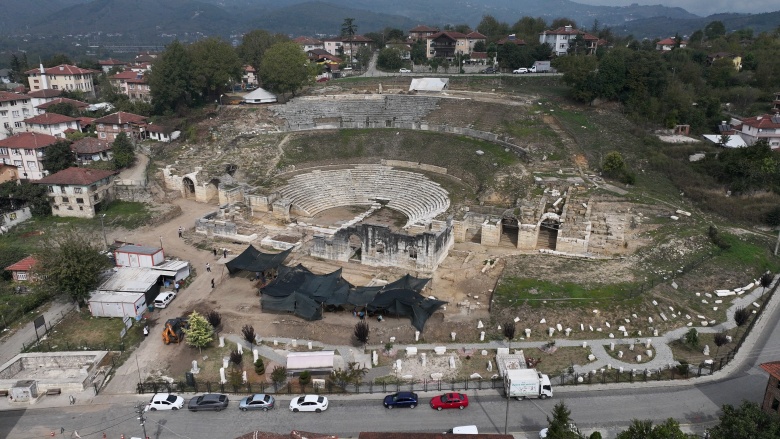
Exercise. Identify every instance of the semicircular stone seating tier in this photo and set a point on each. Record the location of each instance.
(305, 110)
(410, 193)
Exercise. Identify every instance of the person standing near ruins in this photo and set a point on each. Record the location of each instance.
(208, 267)
(181, 231)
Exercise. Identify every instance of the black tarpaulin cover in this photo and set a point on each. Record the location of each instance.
(254, 260)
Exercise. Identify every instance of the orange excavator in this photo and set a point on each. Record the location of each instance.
(173, 332)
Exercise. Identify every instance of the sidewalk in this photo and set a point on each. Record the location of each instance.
(12, 345)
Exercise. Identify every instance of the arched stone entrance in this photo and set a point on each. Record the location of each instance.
(188, 187)
(548, 233)
(510, 228)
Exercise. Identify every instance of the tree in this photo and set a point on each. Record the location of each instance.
(741, 316)
(364, 54)
(63, 108)
(236, 358)
(348, 31)
(304, 378)
(561, 426)
(279, 375)
(254, 44)
(214, 318)
(563, 22)
(692, 338)
(215, 66)
(285, 68)
(259, 366)
(720, 339)
(766, 279)
(57, 59)
(36, 195)
(613, 163)
(58, 157)
(670, 429)
(19, 65)
(390, 59)
(170, 82)
(492, 28)
(200, 332)
(747, 421)
(352, 374)
(361, 332)
(71, 264)
(248, 333)
(714, 29)
(418, 52)
(509, 329)
(122, 149)
(480, 46)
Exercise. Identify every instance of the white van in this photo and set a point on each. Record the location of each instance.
(464, 429)
(163, 299)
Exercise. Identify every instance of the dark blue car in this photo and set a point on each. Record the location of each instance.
(401, 399)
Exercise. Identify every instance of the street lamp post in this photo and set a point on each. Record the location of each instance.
(103, 228)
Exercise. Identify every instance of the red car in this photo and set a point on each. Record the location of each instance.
(450, 401)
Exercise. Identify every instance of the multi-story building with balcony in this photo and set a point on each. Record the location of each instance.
(62, 77)
(14, 109)
(26, 151)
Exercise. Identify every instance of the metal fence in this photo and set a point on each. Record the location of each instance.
(290, 388)
(46, 346)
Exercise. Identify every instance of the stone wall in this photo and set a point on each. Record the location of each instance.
(527, 236)
(459, 229)
(382, 247)
(415, 165)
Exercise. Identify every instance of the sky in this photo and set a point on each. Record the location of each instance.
(700, 7)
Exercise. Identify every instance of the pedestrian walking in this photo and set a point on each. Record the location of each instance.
(208, 267)
(181, 231)
(212, 283)
(176, 287)
(224, 253)
(215, 252)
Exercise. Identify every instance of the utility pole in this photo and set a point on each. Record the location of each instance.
(141, 418)
(778, 241)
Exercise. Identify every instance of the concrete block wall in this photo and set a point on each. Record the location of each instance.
(260, 203)
(527, 236)
(491, 232)
(459, 229)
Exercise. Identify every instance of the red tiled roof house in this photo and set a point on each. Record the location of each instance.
(21, 271)
(766, 126)
(26, 152)
(108, 127)
(771, 401)
(79, 192)
(90, 149)
(52, 124)
(62, 77)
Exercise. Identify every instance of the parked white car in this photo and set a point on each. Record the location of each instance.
(309, 403)
(163, 299)
(165, 401)
(404, 71)
(521, 70)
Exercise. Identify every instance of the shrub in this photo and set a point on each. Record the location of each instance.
(509, 329)
(683, 367)
(362, 331)
(236, 358)
(248, 332)
(279, 375)
(692, 338)
(214, 318)
(259, 366)
(304, 378)
(741, 316)
(766, 279)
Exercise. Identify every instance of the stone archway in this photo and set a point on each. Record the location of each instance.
(510, 229)
(188, 187)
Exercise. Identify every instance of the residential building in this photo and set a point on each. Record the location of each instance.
(108, 127)
(447, 44)
(132, 84)
(766, 126)
(62, 77)
(421, 32)
(79, 192)
(78, 105)
(91, 149)
(39, 97)
(322, 56)
(511, 39)
(26, 151)
(735, 59)
(771, 401)
(249, 77)
(53, 124)
(346, 46)
(5, 76)
(107, 64)
(776, 103)
(668, 44)
(161, 133)
(405, 49)
(14, 108)
(146, 58)
(22, 270)
(561, 38)
(308, 43)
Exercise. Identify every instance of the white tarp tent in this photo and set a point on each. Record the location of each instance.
(735, 141)
(260, 96)
(117, 304)
(429, 84)
(312, 361)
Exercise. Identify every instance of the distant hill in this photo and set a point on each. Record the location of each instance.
(662, 27)
(151, 18)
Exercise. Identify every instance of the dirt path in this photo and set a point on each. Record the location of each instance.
(138, 171)
(275, 160)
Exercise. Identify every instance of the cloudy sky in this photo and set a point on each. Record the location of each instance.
(700, 7)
